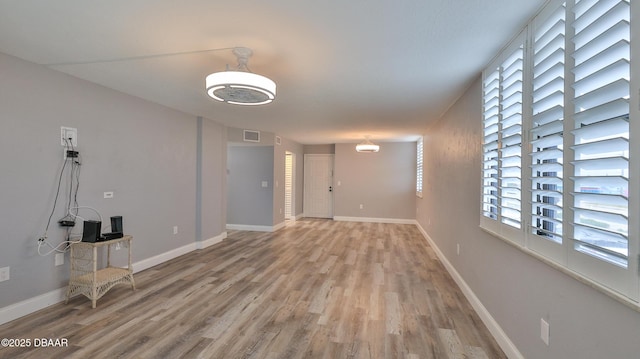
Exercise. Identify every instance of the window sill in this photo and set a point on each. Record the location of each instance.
(577, 276)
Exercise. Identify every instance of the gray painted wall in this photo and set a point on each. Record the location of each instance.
(240, 211)
(236, 135)
(145, 153)
(517, 289)
(248, 203)
(320, 149)
(213, 195)
(383, 182)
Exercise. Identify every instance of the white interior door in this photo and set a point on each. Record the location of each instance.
(318, 186)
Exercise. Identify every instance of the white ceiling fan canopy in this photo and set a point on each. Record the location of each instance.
(241, 87)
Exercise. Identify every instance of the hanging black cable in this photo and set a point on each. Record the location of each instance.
(55, 201)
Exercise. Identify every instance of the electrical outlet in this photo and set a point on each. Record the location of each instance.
(362, 206)
(175, 229)
(68, 154)
(108, 194)
(67, 133)
(544, 331)
(458, 248)
(4, 274)
(59, 259)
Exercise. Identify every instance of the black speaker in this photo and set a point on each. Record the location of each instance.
(116, 224)
(91, 231)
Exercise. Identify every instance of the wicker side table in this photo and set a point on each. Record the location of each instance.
(90, 281)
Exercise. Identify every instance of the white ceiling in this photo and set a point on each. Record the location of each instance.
(344, 69)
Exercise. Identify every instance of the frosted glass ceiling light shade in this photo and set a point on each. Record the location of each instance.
(241, 87)
(367, 146)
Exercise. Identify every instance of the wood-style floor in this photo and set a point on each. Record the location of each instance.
(317, 289)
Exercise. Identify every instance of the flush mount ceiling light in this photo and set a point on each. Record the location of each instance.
(367, 146)
(241, 87)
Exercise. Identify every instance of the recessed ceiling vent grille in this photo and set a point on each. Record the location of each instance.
(251, 136)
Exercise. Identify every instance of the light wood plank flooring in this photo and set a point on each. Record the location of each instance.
(317, 289)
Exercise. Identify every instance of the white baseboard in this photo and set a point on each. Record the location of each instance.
(279, 226)
(28, 306)
(163, 257)
(375, 220)
(211, 241)
(500, 336)
(249, 227)
(292, 220)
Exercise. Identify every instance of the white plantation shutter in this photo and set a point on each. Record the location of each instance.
(547, 127)
(502, 143)
(288, 185)
(419, 166)
(510, 173)
(491, 111)
(601, 121)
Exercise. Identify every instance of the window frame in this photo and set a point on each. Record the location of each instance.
(495, 225)
(620, 283)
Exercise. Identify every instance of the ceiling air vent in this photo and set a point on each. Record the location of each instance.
(251, 136)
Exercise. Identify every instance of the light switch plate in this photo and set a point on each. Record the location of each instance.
(544, 331)
(66, 133)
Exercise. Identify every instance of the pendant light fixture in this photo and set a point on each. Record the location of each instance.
(241, 86)
(367, 146)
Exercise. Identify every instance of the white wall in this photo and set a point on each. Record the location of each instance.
(516, 289)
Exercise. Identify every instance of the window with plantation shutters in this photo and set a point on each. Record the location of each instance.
(601, 135)
(419, 166)
(502, 142)
(288, 185)
(561, 92)
(547, 127)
